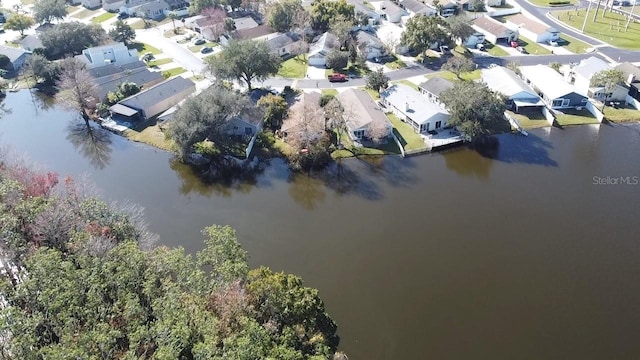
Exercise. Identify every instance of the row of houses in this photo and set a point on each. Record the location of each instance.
(497, 32)
(151, 9)
(400, 11)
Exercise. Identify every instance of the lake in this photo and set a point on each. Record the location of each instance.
(528, 249)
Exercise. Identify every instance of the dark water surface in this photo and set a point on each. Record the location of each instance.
(509, 254)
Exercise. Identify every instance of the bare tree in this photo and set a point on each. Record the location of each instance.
(377, 131)
(334, 113)
(305, 123)
(78, 89)
(390, 43)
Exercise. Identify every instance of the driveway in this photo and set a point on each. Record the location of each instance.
(180, 54)
(315, 72)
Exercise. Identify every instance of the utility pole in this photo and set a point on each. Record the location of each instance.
(585, 18)
(629, 16)
(595, 15)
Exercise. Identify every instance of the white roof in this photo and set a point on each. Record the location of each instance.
(413, 104)
(547, 80)
(588, 67)
(503, 80)
(325, 43)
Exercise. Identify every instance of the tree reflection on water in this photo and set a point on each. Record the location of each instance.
(93, 142)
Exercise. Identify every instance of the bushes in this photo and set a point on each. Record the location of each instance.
(559, 3)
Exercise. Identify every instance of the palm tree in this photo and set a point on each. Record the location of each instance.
(173, 18)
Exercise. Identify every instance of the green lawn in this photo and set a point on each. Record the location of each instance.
(138, 24)
(197, 48)
(294, 68)
(530, 120)
(84, 13)
(151, 135)
(103, 17)
(350, 69)
(173, 72)
(472, 75)
(409, 139)
(574, 45)
(333, 92)
(395, 64)
(609, 28)
(144, 48)
(461, 51)
(408, 83)
(159, 62)
(532, 47)
(374, 94)
(72, 8)
(621, 115)
(495, 50)
(575, 117)
(179, 31)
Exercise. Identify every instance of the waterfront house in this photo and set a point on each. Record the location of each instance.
(432, 88)
(413, 108)
(116, 53)
(319, 50)
(110, 76)
(363, 116)
(505, 81)
(554, 90)
(246, 123)
(582, 73)
(494, 31)
(17, 58)
(313, 128)
(632, 80)
(532, 29)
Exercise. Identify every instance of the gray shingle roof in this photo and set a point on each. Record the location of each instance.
(158, 93)
(139, 76)
(31, 42)
(12, 53)
(436, 85)
(630, 69)
(360, 109)
(110, 69)
(413, 104)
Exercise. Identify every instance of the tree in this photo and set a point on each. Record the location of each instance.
(377, 131)
(460, 27)
(458, 65)
(336, 121)
(341, 27)
(198, 5)
(306, 134)
(323, 12)
(70, 38)
(438, 6)
(44, 11)
(244, 61)
(377, 80)
(19, 22)
(275, 109)
(40, 69)
(555, 66)
(337, 59)
(5, 62)
(423, 32)
(608, 79)
(477, 5)
(173, 18)
(282, 13)
(122, 32)
(78, 90)
(123, 91)
(475, 110)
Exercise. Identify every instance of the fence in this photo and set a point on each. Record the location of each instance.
(594, 111)
(251, 143)
(633, 102)
(548, 115)
(395, 138)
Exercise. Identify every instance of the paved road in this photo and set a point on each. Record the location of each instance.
(180, 54)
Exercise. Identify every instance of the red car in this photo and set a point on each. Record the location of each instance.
(337, 77)
(515, 44)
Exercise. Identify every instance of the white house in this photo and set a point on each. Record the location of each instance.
(473, 40)
(415, 7)
(493, 30)
(505, 81)
(414, 109)
(391, 12)
(363, 115)
(371, 45)
(319, 50)
(582, 73)
(555, 91)
(532, 29)
(113, 5)
(282, 44)
(433, 87)
(116, 53)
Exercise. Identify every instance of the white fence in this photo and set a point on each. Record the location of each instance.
(594, 111)
(250, 146)
(548, 115)
(633, 102)
(503, 11)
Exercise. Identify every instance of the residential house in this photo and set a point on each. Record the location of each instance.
(17, 58)
(91, 4)
(154, 10)
(370, 45)
(414, 109)
(433, 87)
(116, 53)
(244, 23)
(319, 50)
(582, 73)
(363, 116)
(632, 76)
(532, 29)
(496, 3)
(247, 34)
(154, 100)
(178, 5)
(493, 30)
(113, 5)
(449, 8)
(314, 126)
(366, 9)
(551, 86)
(391, 12)
(109, 77)
(246, 123)
(31, 42)
(283, 44)
(209, 27)
(505, 81)
(415, 7)
(472, 41)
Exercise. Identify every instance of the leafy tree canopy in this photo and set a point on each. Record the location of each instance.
(608, 79)
(19, 22)
(377, 80)
(122, 32)
(282, 14)
(45, 11)
(423, 32)
(323, 12)
(70, 38)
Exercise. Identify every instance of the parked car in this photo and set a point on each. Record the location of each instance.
(553, 42)
(521, 49)
(337, 77)
(2, 18)
(122, 16)
(480, 47)
(514, 44)
(206, 50)
(199, 41)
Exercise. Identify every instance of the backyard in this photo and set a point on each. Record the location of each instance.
(609, 27)
(404, 132)
(627, 113)
(294, 68)
(575, 117)
(530, 119)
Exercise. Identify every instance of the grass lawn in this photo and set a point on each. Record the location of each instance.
(574, 45)
(144, 48)
(333, 92)
(151, 135)
(461, 51)
(173, 72)
(102, 17)
(408, 83)
(197, 48)
(609, 28)
(179, 31)
(197, 78)
(472, 75)
(350, 69)
(71, 8)
(374, 94)
(294, 68)
(532, 47)
(621, 115)
(495, 50)
(530, 120)
(159, 62)
(395, 64)
(138, 24)
(409, 139)
(84, 13)
(575, 117)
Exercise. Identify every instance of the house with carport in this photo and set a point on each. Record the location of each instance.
(504, 81)
(552, 87)
(363, 116)
(580, 75)
(532, 29)
(494, 31)
(413, 108)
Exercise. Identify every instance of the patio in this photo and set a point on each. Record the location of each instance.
(443, 137)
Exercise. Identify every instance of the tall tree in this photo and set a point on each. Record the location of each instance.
(282, 13)
(19, 22)
(337, 59)
(244, 61)
(45, 11)
(70, 38)
(275, 107)
(460, 27)
(423, 32)
(608, 79)
(78, 89)
(38, 68)
(122, 32)
(377, 80)
(458, 65)
(341, 27)
(173, 18)
(198, 5)
(475, 110)
(323, 12)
